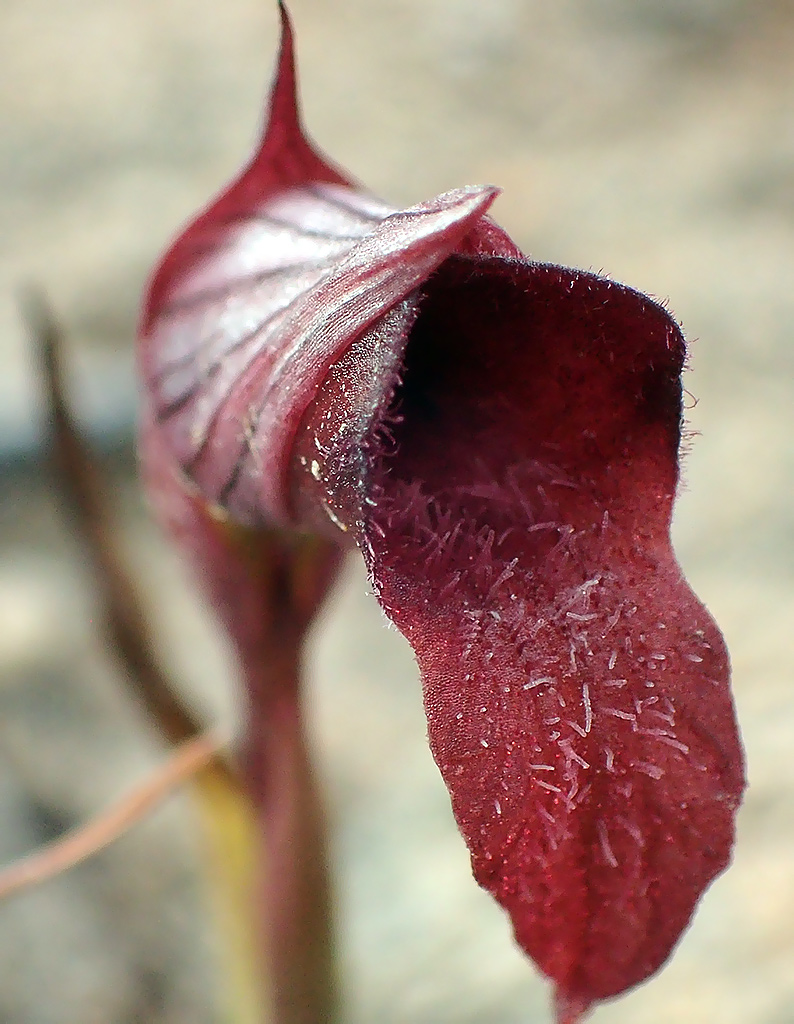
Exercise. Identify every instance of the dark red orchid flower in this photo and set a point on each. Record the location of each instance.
(500, 438)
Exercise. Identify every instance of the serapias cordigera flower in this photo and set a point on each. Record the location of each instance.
(500, 438)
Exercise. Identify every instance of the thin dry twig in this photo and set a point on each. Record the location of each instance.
(82, 842)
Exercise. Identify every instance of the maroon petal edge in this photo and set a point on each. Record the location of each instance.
(576, 690)
(501, 439)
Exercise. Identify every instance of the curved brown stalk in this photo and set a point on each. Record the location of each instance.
(82, 490)
(226, 814)
(280, 585)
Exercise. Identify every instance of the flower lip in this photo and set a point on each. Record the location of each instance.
(516, 525)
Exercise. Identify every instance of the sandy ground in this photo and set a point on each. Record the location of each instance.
(653, 140)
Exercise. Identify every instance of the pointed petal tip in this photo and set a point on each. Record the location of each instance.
(570, 1008)
(475, 197)
(286, 23)
(285, 151)
(457, 207)
(284, 91)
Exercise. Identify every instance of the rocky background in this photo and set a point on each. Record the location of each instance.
(653, 140)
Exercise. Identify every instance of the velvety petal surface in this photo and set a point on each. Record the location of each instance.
(576, 691)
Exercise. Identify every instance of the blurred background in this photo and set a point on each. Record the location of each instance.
(653, 140)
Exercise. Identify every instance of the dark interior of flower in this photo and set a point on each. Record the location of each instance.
(519, 510)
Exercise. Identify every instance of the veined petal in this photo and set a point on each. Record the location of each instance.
(266, 289)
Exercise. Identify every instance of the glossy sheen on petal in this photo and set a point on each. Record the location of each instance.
(266, 289)
(576, 690)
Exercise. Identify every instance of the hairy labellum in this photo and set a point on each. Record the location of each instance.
(500, 438)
